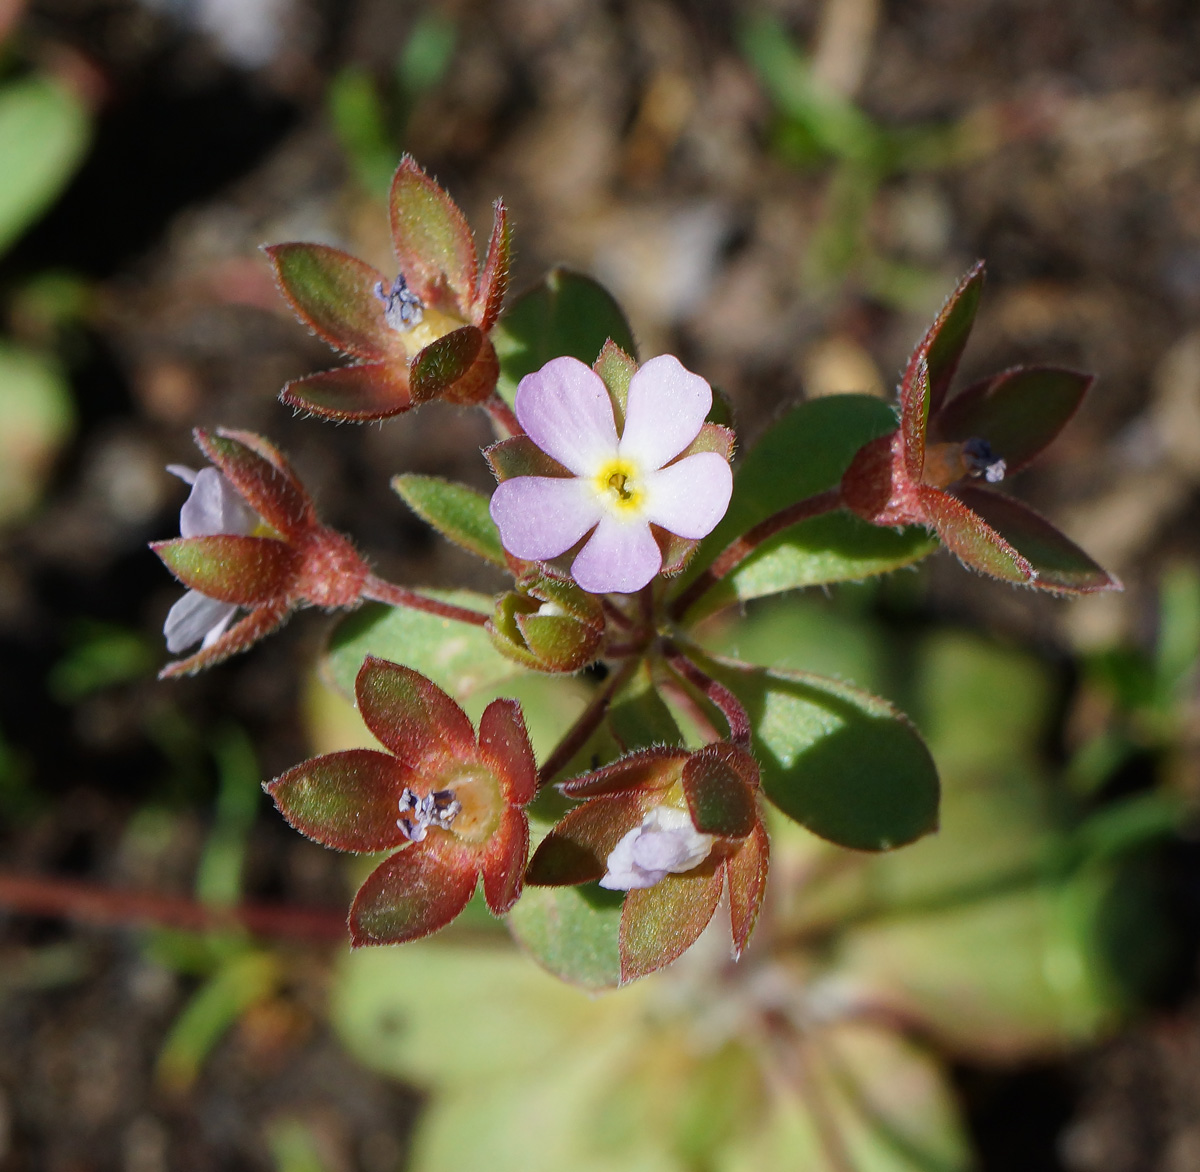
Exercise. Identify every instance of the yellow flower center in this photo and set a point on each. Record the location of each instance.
(434, 324)
(618, 486)
(478, 793)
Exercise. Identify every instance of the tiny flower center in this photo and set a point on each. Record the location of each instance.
(418, 813)
(416, 323)
(480, 803)
(946, 463)
(619, 487)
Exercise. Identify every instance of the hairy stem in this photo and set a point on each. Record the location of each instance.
(586, 723)
(737, 551)
(377, 590)
(503, 419)
(716, 693)
(45, 895)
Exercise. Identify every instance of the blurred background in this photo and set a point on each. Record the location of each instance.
(781, 193)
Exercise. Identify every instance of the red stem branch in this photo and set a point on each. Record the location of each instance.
(71, 899)
(378, 590)
(716, 693)
(737, 551)
(503, 419)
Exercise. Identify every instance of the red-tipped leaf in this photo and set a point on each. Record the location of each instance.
(652, 769)
(577, 849)
(349, 801)
(719, 796)
(263, 477)
(971, 539)
(493, 281)
(352, 393)
(259, 623)
(747, 877)
(1058, 563)
(943, 344)
(504, 744)
(245, 570)
(914, 417)
(520, 456)
(417, 891)
(443, 362)
(503, 862)
(660, 923)
(410, 715)
(431, 236)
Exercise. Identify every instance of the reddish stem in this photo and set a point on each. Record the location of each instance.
(716, 693)
(46, 895)
(378, 590)
(737, 551)
(503, 419)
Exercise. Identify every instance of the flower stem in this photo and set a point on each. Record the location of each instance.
(377, 590)
(716, 693)
(737, 551)
(45, 895)
(503, 418)
(586, 723)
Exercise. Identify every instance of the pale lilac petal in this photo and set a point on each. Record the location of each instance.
(620, 557)
(186, 474)
(215, 506)
(196, 617)
(666, 842)
(689, 498)
(666, 408)
(542, 516)
(566, 411)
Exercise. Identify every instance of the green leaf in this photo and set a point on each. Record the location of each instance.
(571, 932)
(457, 512)
(458, 657)
(805, 453)
(567, 314)
(360, 122)
(44, 132)
(843, 763)
(943, 344)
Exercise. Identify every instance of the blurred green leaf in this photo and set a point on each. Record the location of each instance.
(37, 418)
(1178, 650)
(219, 875)
(293, 1147)
(44, 133)
(571, 932)
(567, 314)
(426, 54)
(457, 512)
(101, 655)
(360, 122)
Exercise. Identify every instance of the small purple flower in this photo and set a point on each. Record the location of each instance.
(213, 506)
(665, 843)
(619, 486)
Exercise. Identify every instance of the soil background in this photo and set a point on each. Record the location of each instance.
(633, 141)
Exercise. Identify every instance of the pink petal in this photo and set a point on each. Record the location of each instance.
(621, 557)
(542, 516)
(566, 411)
(666, 409)
(690, 497)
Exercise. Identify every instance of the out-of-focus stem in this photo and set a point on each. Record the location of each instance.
(716, 693)
(378, 590)
(737, 551)
(503, 419)
(45, 895)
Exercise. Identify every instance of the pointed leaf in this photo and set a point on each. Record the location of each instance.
(571, 932)
(348, 801)
(747, 874)
(616, 369)
(943, 344)
(443, 362)
(914, 419)
(457, 512)
(836, 759)
(456, 656)
(974, 542)
(656, 768)
(719, 798)
(567, 314)
(493, 281)
(259, 623)
(430, 235)
(410, 715)
(503, 863)
(520, 456)
(1058, 563)
(333, 293)
(577, 849)
(660, 923)
(1018, 412)
(558, 642)
(263, 477)
(504, 744)
(479, 379)
(245, 570)
(417, 891)
(352, 394)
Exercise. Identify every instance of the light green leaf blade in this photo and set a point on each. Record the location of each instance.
(457, 512)
(44, 132)
(571, 932)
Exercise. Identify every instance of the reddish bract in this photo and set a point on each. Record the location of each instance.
(469, 790)
(421, 336)
(927, 472)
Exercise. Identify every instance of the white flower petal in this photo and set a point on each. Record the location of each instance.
(666, 408)
(196, 617)
(690, 497)
(186, 474)
(666, 843)
(542, 516)
(620, 557)
(215, 506)
(565, 409)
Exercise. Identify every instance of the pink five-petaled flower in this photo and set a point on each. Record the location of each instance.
(619, 488)
(251, 541)
(422, 335)
(450, 801)
(929, 471)
(671, 828)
